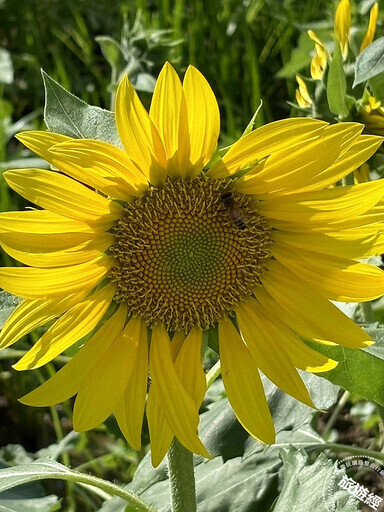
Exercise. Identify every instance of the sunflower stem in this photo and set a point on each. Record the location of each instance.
(181, 478)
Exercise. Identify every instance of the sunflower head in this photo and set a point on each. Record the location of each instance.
(179, 246)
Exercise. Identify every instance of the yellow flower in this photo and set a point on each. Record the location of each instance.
(303, 98)
(372, 115)
(145, 249)
(342, 25)
(319, 60)
(370, 34)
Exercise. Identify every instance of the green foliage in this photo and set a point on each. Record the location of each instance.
(243, 474)
(68, 115)
(300, 57)
(29, 498)
(336, 85)
(8, 303)
(43, 469)
(358, 371)
(304, 484)
(370, 62)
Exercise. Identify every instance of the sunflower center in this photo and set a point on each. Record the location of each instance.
(188, 252)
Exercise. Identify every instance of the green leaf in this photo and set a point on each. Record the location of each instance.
(111, 51)
(376, 85)
(336, 85)
(8, 303)
(370, 62)
(68, 115)
(6, 67)
(28, 498)
(304, 485)
(243, 475)
(48, 469)
(300, 57)
(358, 371)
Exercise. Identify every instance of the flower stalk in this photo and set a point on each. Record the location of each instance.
(181, 478)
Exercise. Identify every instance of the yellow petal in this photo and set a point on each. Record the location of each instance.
(160, 432)
(301, 101)
(334, 277)
(203, 118)
(43, 222)
(299, 353)
(64, 196)
(327, 206)
(343, 25)
(36, 283)
(178, 406)
(288, 169)
(169, 114)
(361, 174)
(271, 357)
(370, 34)
(107, 379)
(39, 250)
(139, 135)
(356, 155)
(371, 218)
(243, 384)
(67, 381)
(129, 410)
(319, 60)
(31, 314)
(189, 367)
(40, 142)
(100, 165)
(303, 98)
(51, 242)
(176, 344)
(322, 321)
(264, 141)
(76, 323)
(351, 243)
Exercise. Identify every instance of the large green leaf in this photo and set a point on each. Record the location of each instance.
(336, 85)
(370, 62)
(30, 497)
(243, 475)
(68, 115)
(358, 371)
(304, 485)
(49, 469)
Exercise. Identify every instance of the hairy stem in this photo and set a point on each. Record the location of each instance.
(181, 478)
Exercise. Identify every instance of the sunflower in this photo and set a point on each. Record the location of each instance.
(142, 249)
